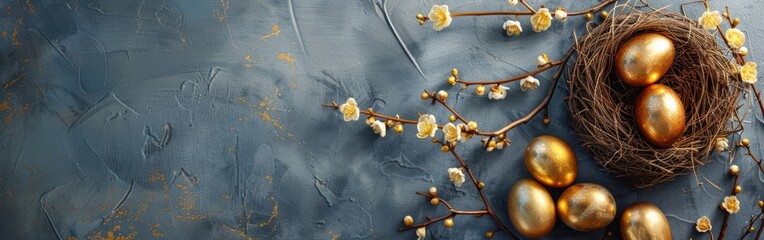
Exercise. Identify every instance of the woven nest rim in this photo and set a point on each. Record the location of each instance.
(602, 114)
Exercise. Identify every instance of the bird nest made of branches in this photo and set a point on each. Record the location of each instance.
(602, 107)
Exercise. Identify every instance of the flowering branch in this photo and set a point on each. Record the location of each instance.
(443, 102)
(541, 105)
(748, 71)
(530, 11)
(479, 186)
(512, 79)
(730, 204)
(448, 218)
(541, 19)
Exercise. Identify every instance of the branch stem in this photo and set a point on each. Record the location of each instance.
(530, 11)
(515, 78)
(482, 194)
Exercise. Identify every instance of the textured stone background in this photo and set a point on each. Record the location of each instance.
(193, 119)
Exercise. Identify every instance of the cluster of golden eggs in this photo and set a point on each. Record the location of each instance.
(585, 207)
(642, 61)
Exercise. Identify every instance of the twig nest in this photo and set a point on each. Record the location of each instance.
(602, 106)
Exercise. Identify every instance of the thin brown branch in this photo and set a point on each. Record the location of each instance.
(482, 194)
(528, 6)
(428, 223)
(750, 224)
(725, 223)
(451, 209)
(382, 116)
(515, 78)
(543, 103)
(757, 94)
(530, 11)
(758, 161)
(448, 107)
(737, 56)
(681, 6)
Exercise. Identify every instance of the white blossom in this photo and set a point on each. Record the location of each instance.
(722, 144)
(457, 176)
(427, 126)
(529, 83)
(379, 128)
(421, 233)
(440, 17)
(731, 204)
(498, 92)
(349, 110)
(452, 133)
(561, 14)
(512, 27)
(542, 60)
(710, 20)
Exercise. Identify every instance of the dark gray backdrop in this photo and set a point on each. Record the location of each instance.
(192, 119)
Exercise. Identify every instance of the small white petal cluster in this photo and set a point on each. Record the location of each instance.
(498, 92)
(457, 176)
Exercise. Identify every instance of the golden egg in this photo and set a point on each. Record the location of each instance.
(644, 221)
(531, 208)
(659, 114)
(586, 207)
(551, 161)
(643, 59)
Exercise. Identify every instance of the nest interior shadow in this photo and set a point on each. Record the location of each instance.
(602, 107)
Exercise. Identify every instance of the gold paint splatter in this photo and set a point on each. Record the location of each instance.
(274, 214)
(30, 7)
(14, 38)
(269, 179)
(241, 233)
(155, 231)
(249, 61)
(4, 34)
(221, 14)
(13, 81)
(265, 111)
(157, 177)
(334, 236)
(288, 58)
(275, 31)
(190, 216)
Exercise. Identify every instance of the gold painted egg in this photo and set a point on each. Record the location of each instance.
(586, 207)
(644, 221)
(659, 114)
(551, 161)
(531, 208)
(643, 59)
